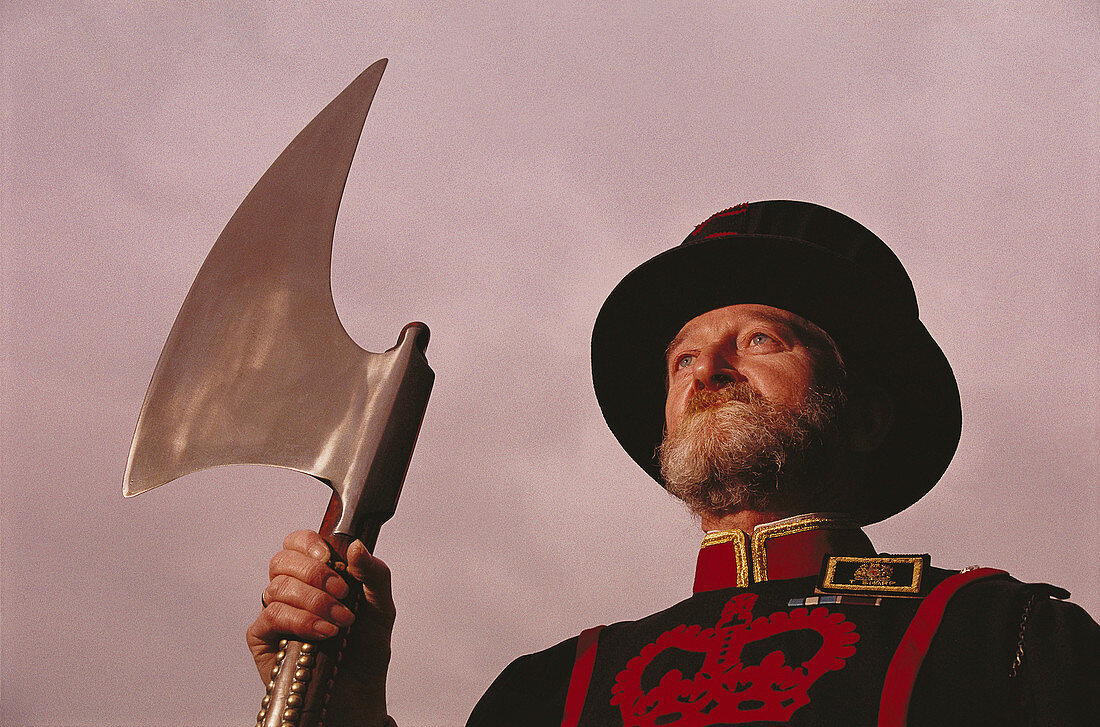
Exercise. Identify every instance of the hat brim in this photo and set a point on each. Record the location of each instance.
(874, 335)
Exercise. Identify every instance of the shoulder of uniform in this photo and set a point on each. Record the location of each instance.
(1012, 591)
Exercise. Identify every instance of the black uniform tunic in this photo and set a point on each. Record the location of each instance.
(761, 642)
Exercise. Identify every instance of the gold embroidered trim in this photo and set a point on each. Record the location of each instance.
(721, 536)
(740, 553)
(913, 587)
(763, 533)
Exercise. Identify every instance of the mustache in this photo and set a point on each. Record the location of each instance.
(740, 391)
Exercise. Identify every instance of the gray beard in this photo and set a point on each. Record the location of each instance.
(735, 450)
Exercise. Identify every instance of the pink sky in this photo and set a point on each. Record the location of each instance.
(515, 165)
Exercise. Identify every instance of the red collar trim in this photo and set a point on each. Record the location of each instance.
(789, 548)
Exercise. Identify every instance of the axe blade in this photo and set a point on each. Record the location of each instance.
(257, 368)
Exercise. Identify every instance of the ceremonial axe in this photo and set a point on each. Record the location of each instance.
(258, 369)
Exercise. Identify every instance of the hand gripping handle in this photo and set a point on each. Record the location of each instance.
(301, 680)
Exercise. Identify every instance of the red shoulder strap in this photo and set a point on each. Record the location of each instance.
(582, 675)
(902, 672)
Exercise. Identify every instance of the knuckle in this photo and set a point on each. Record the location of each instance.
(301, 540)
(374, 574)
(277, 589)
(279, 563)
(272, 618)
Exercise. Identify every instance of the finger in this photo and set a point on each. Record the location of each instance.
(308, 570)
(293, 592)
(375, 576)
(309, 543)
(280, 619)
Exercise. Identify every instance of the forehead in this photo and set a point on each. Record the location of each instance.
(720, 322)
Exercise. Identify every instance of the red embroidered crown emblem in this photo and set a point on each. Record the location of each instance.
(741, 675)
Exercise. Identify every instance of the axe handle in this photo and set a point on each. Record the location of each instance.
(301, 680)
(339, 542)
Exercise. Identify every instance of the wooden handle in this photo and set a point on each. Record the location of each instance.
(300, 683)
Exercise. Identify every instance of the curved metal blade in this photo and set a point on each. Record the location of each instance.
(258, 368)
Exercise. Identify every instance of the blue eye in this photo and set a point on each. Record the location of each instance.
(759, 339)
(686, 360)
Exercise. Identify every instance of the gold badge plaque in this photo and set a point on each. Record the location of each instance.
(884, 575)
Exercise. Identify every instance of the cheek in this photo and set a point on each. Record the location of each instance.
(674, 408)
(787, 385)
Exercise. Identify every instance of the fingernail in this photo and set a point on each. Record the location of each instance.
(336, 586)
(325, 628)
(319, 553)
(342, 615)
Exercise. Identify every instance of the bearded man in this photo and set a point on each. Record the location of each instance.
(771, 372)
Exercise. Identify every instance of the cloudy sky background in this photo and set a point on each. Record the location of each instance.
(517, 162)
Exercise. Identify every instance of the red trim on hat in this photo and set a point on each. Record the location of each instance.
(735, 210)
(720, 234)
(582, 675)
(901, 676)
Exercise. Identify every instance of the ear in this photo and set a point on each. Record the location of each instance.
(870, 414)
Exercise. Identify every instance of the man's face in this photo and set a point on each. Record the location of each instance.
(764, 347)
(751, 412)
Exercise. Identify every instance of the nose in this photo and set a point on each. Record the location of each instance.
(711, 371)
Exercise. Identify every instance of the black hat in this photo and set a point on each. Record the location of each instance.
(818, 264)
